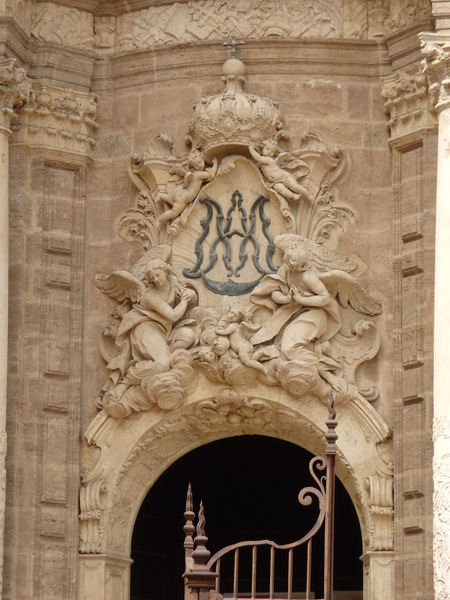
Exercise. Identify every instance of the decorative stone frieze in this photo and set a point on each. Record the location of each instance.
(407, 104)
(59, 119)
(51, 22)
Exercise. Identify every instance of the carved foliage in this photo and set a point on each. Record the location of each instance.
(59, 118)
(407, 102)
(381, 525)
(436, 67)
(51, 22)
(15, 87)
(441, 507)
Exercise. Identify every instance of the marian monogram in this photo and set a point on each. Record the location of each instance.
(235, 229)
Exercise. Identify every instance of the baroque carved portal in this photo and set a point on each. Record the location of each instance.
(239, 278)
(239, 317)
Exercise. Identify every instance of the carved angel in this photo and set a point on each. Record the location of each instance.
(237, 327)
(181, 194)
(305, 309)
(303, 300)
(282, 170)
(152, 330)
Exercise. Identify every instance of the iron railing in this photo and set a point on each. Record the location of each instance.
(203, 572)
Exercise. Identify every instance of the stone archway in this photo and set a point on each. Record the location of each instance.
(249, 488)
(134, 453)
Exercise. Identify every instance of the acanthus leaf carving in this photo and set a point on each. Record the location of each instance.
(56, 117)
(407, 103)
(15, 90)
(436, 68)
(381, 501)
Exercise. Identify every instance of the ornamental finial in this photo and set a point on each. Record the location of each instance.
(233, 44)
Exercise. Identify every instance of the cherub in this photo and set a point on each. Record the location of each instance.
(236, 327)
(280, 179)
(179, 196)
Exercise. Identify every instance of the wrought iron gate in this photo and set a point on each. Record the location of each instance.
(202, 574)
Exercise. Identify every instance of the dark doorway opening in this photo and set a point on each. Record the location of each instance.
(249, 486)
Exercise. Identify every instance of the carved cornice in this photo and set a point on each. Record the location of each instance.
(407, 104)
(15, 87)
(436, 68)
(58, 118)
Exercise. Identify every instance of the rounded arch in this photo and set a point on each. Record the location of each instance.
(136, 451)
(249, 487)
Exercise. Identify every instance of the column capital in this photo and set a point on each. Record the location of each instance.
(407, 104)
(15, 88)
(436, 67)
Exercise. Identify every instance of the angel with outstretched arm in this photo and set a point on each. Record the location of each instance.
(179, 196)
(268, 160)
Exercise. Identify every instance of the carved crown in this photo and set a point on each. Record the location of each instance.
(233, 118)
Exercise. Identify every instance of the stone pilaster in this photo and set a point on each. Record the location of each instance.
(50, 151)
(412, 125)
(14, 91)
(436, 66)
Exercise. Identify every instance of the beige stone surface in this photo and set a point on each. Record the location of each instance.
(353, 183)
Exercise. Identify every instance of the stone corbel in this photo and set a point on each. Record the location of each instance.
(381, 512)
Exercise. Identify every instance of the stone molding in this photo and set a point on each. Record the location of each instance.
(407, 104)
(108, 502)
(59, 119)
(436, 68)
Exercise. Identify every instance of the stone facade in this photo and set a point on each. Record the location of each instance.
(316, 144)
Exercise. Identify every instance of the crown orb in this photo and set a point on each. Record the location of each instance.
(234, 67)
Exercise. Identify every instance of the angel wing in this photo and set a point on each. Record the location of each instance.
(318, 256)
(349, 291)
(290, 161)
(120, 285)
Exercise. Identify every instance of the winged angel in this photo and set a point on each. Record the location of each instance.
(282, 171)
(147, 353)
(303, 304)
